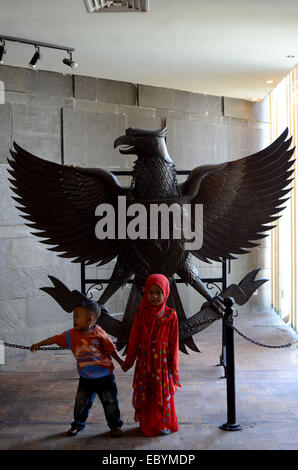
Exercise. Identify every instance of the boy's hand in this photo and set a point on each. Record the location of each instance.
(34, 347)
(44, 342)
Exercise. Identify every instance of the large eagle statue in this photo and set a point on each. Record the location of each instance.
(240, 199)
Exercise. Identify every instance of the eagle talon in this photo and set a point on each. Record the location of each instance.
(217, 304)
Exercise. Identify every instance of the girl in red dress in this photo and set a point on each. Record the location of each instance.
(154, 342)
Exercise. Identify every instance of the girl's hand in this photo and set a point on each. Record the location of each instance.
(34, 347)
(125, 367)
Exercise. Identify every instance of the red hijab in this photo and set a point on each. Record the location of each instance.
(145, 306)
(148, 313)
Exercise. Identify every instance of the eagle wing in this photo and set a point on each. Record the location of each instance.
(60, 201)
(239, 199)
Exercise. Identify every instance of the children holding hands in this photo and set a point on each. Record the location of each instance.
(153, 344)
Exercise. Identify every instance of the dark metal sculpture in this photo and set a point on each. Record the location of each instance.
(187, 328)
(240, 199)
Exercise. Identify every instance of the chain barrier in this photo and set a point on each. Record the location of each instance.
(185, 329)
(17, 346)
(272, 346)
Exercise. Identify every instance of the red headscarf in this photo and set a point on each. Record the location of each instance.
(148, 313)
(145, 305)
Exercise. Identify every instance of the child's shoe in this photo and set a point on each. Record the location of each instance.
(73, 431)
(116, 432)
(165, 431)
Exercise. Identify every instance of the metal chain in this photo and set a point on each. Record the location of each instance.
(29, 347)
(184, 329)
(286, 345)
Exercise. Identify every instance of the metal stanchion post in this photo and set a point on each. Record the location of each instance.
(222, 359)
(231, 424)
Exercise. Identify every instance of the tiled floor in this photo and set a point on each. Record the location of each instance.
(37, 397)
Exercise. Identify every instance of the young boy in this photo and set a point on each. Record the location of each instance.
(92, 348)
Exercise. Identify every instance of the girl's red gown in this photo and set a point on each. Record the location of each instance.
(156, 373)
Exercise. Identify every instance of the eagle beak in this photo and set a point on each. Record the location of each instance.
(126, 140)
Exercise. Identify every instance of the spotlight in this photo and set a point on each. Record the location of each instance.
(37, 44)
(35, 58)
(2, 51)
(70, 62)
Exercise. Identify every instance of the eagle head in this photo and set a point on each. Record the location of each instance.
(146, 144)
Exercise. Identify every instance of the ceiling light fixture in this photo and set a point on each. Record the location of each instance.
(269, 81)
(2, 51)
(71, 63)
(290, 56)
(37, 45)
(35, 58)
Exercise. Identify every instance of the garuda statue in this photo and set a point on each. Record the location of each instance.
(240, 200)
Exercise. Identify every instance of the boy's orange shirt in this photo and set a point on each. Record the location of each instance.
(92, 351)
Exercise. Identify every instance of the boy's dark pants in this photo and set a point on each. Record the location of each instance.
(105, 388)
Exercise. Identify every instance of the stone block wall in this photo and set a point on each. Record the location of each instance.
(74, 120)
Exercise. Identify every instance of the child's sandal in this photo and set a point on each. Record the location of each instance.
(116, 432)
(165, 431)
